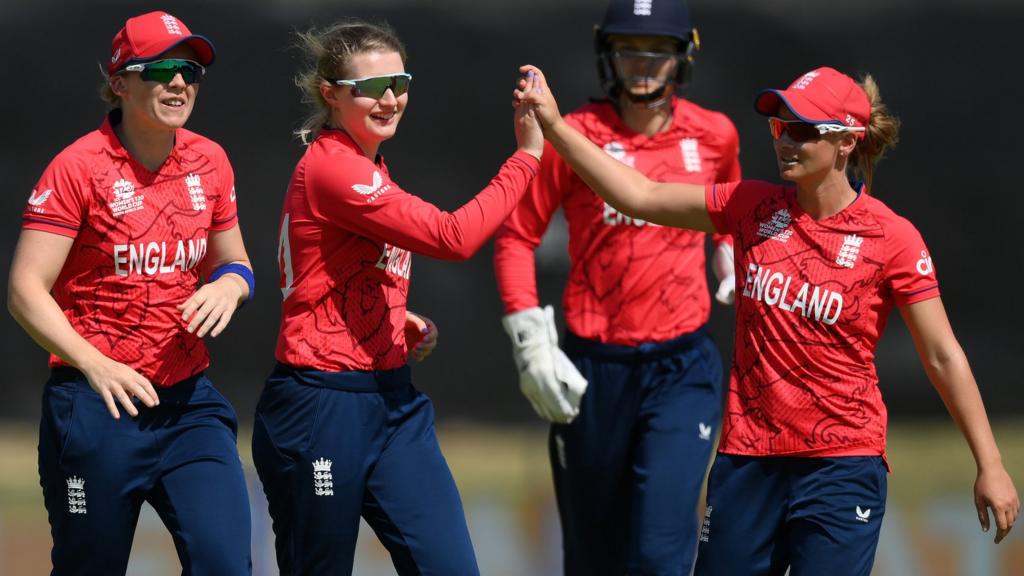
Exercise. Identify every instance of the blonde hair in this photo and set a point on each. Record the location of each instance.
(328, 53)
(106, 92)
(882, 133)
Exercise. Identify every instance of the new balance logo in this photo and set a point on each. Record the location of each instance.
(37, 199)
(704, 431)
(116, 56)
(323, 482)
(863, 515)
(76, 495)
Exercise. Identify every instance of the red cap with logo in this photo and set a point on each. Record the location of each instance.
(821, 96)
(146, 37)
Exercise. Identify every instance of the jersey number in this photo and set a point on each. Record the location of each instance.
(284, 257)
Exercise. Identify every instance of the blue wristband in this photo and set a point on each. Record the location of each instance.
(235, 268)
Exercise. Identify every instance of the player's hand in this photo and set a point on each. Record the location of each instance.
(117, 384)
(724, 267)
(994, 490)
(547, 378)
(209, 309)
(533, 90)
(529, 135)
(420, 336)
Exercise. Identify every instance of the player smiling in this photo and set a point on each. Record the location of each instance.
(340, 430)
(800, 478)
(121, 227)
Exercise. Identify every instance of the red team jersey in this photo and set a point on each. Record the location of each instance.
(812, 300)
(345, 286)
(139, 239)
(630, 281)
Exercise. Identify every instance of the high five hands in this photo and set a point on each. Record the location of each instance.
(532, 89)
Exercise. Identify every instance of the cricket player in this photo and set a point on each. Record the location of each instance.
(629, 456)
(799, 482)
(340, 430)
(130, 253)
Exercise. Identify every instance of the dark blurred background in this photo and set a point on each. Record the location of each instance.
(948, 68)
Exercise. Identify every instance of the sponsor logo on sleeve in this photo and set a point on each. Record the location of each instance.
(924, 265)
(36, 200)
(373, 190)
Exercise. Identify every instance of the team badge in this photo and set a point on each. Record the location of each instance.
(76, 495)
(323, 482)
(196, 193)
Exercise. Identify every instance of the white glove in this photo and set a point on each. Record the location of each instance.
(547, 377)
(725, 270)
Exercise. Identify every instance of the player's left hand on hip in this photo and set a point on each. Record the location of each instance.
(209, 309)
(994, 489)
(420, 335)
(725, 270)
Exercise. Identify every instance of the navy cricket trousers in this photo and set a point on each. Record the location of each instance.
(333, 446)
(811, 516)
(628, 470)
(181, 457)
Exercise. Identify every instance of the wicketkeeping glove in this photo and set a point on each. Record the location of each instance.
(725, 270)
(547, 377)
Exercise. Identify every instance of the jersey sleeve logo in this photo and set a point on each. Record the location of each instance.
(374, 190)
(232, 194)
(36, 200)
(924, 265)
(365, 189)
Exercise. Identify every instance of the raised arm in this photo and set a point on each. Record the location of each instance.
(630, 192)
(947, 368)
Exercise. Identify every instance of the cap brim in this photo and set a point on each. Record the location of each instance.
(205, 52)
(767, 104)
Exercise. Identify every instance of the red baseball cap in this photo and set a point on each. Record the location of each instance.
(146, 37)
(821, 96)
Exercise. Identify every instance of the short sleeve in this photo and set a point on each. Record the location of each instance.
(59, 201)
(910, 272)
(225, 208)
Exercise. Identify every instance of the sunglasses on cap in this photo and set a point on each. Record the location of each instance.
(375, 86)
(800, 131)
(164, 71)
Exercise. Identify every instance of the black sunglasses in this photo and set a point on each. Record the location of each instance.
(164, 71)
(375, 86)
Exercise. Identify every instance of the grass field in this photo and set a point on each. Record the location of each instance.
(930, 527)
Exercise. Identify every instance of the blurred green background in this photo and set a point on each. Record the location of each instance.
(930, 527)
